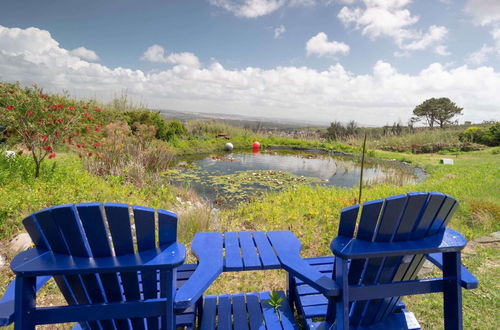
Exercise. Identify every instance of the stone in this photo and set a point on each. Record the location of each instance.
(2, 262)
(20, 243)
(426, 268)
(496, 235)
(487, 239)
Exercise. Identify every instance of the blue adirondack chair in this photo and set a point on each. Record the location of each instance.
(377, 262)
(116, 266)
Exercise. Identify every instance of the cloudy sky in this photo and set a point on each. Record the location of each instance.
(318, 60)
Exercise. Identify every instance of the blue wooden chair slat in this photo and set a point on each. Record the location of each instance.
(68, 222)
(414, 206)
(72, 287)
(224, 321)
(254, 311)
(209, 312)
(381, 272)
(421, 224)
(367, 224)
(33, 229)
(347, 224)
(267, 256)
(121, 234)
(249, 252)
(93, 224)
(233, 260)
(240, 318)
(442, 216)
(167, 226)
(389, 220)
(144, 220)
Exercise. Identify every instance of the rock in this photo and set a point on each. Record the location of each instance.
(496, 235)
(426, 268)
(2, 262)
(487, 239)
(20, 243)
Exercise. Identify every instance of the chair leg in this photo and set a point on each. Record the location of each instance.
(342, 301)
(167, 288)
(290, 291)
(452, 291)
(25, 302)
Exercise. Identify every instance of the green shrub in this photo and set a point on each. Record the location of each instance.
(489, 136)
(165, 130)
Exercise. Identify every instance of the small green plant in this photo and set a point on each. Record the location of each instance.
(275, 302)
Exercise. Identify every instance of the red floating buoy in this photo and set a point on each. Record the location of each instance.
(256, 145)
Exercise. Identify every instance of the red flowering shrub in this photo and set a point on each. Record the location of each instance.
(41, 122)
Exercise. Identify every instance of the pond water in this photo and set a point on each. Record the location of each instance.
(232, 177)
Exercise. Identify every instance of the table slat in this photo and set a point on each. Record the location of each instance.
(266, 252)
(233, 260)
(251, 260)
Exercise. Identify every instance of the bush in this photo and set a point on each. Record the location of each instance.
(133, 157)
(489, 137)
(165, 130)
(40, 122)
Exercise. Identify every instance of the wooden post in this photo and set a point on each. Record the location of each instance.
(342, 301)
(362, 166)
(167, 288)
(25, 302)
(452, 294)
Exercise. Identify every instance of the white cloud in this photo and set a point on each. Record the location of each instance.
(279, 31)
(84, 53)
(156, 54)
(435, 35)
(320, 46)
(480, 56)
(484, 12)
(249, 8)
(257, 8)
(384, 95)
(390, 18)
(442, 50)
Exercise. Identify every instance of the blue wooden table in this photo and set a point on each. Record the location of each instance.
(244, 251)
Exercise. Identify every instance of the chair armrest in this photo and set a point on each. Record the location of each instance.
(39, 262)
(7, 301)
(468, 281)
(287, 248)
(207, 247)
(448, 240)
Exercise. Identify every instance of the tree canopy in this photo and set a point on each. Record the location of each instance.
(438, 111)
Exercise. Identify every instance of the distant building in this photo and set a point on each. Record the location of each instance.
(468, 123)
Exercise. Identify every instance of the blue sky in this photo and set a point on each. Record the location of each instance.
(368, 60)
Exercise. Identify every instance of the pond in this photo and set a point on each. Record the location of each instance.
(229, 178)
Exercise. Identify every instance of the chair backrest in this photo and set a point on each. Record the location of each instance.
(97, 230)
(398, 218)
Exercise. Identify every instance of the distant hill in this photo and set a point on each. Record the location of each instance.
(242, 120)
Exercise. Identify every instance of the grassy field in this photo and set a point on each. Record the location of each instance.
(310, 212)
